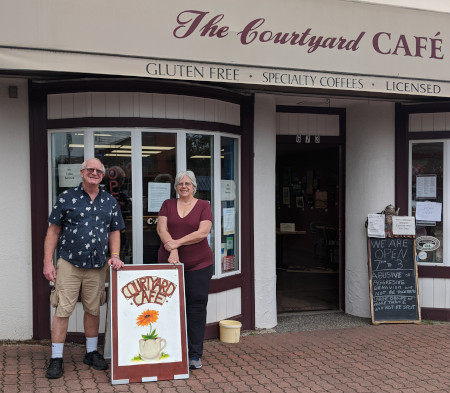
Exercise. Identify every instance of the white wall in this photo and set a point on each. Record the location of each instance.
(15, 232)
(370, 179)
(264, 201)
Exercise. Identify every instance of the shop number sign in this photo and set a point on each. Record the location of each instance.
(307, 138)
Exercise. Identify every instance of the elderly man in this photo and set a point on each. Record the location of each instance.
(86, 221)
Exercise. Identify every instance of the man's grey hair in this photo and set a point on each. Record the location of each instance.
(83, 165)
(191, 177)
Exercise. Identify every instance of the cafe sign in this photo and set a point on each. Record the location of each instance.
(331, 44)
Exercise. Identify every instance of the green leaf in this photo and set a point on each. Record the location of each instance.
(150, 336)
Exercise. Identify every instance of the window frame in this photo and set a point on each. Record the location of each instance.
(137, 192)
(446, 190)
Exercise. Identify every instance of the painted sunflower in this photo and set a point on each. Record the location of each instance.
(147, 317)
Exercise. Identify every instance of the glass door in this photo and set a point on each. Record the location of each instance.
(159, 168)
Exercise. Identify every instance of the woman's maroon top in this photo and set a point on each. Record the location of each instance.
(193, 256)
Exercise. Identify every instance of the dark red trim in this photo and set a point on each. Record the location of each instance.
(432, 107)
(401, 159)
(433, 271)
(80, 338)
(39, 210)
(247, 216)
(429, 135)
(435, 314)
(342, 159)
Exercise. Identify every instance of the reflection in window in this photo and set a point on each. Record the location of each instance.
(427, 177)
(158, 174)
(199, 152)
(67, 155)
(114, 150)
(229, 205)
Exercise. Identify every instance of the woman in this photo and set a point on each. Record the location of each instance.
(183, 226)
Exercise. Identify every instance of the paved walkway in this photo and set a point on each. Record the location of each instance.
(365, 358)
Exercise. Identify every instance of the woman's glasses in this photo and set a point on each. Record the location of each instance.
(186, 184)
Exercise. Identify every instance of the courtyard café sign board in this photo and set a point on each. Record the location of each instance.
(393, 280)
(148, 324)
(331, 44)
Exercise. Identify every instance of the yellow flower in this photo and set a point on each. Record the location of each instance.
(147, 318)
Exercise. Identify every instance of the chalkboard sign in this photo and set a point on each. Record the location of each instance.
(394, 296)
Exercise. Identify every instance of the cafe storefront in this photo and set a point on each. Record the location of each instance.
(296, 127)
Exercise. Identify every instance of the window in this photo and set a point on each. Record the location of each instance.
(141, 165)
(427, 170)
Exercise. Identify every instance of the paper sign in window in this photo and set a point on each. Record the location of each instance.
(426, 186)
(228, 220)
(157, 194)
(227, 190)
(428, 211)
(69, 175)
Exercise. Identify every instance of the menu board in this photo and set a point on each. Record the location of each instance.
(393, 285)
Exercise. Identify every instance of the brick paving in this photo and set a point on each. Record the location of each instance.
(384, 358)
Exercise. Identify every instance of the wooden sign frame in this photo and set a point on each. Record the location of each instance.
(391, 291)
(148, 324)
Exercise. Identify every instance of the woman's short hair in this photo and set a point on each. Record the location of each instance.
(191, 177)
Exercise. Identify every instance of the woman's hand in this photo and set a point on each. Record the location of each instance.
(173, 257)
(171, 245)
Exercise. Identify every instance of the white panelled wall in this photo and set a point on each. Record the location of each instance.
(144, 105)
(15, 232)
(149, 105)
(423, 122)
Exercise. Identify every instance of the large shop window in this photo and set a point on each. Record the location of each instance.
(428, 192)
(141, 165)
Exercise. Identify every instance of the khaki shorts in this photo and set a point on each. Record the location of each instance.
(69, 280)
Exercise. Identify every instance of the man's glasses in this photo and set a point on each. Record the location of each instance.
(92, 170)
(184, 184)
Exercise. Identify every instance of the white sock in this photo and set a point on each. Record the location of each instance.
(57, 350)
(91, 344)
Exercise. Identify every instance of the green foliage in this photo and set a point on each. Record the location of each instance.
(137, 358)
(150, 336)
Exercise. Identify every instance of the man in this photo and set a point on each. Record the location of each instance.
(86, 221)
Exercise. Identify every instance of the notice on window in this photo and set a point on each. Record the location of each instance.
(426, 186)
(69, 175)
(227, 190)
(428, 211)
(157, 194)
(403, 225)
(375, 225)
(228, 217)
